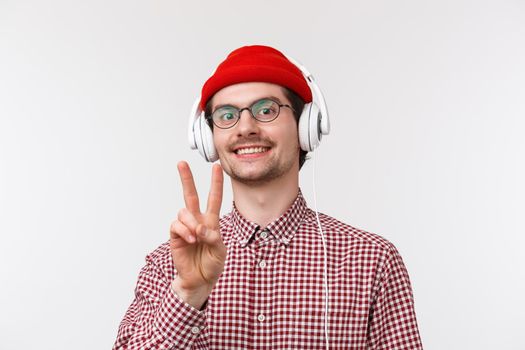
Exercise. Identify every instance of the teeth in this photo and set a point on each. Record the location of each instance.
(252, 150)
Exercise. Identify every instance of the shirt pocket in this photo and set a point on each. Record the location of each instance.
(346, 329)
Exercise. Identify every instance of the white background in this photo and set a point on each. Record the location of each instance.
(427, 101)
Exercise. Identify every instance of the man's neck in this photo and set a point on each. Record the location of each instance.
(264, 203)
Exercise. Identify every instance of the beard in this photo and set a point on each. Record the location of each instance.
(259, 172)
(270, 172)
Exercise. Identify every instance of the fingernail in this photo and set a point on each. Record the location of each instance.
(191, 239)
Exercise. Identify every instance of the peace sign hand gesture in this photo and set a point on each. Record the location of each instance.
(197, 249)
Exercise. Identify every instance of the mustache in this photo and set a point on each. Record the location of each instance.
(245, 141)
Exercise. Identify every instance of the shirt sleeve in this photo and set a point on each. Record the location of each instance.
(157, 318)
(392, 323)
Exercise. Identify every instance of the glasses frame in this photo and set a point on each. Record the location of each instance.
(239, 113)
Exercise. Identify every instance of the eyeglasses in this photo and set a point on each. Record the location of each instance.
(264, 110)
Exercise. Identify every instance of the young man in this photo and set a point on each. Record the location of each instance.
(256, 278)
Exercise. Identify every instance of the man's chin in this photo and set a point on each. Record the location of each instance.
(252, 179)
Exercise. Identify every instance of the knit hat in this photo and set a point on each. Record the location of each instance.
(256, 63)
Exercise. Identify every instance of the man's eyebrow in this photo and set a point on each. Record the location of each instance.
(275, 98)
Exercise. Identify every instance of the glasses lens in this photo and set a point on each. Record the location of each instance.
(265, 110)
(225, 117)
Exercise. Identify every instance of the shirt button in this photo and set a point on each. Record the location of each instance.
(195, 330)
(264, 234)
(261, 318)
(262, 264)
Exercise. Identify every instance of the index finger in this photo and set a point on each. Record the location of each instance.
(191, 197)
(215, 196)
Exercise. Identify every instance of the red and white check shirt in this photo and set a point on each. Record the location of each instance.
(271, 292)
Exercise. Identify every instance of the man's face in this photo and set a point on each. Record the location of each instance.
(254, 152)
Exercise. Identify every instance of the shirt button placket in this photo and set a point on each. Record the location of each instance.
(264, 280)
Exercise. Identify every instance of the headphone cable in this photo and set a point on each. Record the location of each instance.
(325, 267)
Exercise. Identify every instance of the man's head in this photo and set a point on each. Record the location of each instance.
(296, 103)
(259, 64)
(250, 150)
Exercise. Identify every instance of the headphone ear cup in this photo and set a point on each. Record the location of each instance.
(204, 139)
(207, 137)
(309, 133)
(196, 112)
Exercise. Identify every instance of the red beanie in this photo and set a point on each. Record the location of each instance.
(256, 63)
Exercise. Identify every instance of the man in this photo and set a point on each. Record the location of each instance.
(256, 277)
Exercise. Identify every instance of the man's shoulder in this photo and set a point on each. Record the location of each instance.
(342, 233)
(161, 258)
(161, 251)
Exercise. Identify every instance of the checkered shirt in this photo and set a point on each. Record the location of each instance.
(271, 292)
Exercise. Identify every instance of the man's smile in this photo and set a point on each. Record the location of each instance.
(251, 150)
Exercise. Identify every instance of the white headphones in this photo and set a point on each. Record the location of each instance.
(313, 123)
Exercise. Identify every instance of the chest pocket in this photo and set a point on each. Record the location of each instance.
(346, 328)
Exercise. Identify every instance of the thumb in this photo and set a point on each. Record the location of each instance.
(208, 236)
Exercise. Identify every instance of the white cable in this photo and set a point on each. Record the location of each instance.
(325, 270)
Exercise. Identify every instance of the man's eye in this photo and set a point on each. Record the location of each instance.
(265, 109)
(227, 116)
(267, 112)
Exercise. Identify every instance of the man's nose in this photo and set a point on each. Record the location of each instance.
(247, 124)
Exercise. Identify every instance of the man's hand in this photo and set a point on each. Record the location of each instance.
(197, 249)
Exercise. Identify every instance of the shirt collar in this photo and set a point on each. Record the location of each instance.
(283, 228)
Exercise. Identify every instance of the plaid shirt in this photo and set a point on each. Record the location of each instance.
(271, 292)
